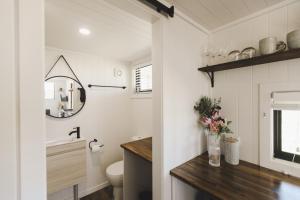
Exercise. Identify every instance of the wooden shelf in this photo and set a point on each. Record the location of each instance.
(141, 148)
(287, 55)
(242, 182)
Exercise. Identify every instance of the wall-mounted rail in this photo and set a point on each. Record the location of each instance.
(106, 86)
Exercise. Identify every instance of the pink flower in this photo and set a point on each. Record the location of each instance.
(221, 123)
(214, 127)
(215, 115)
(205, 121)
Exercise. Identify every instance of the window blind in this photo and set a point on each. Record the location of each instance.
(289, 100)
(143, 79)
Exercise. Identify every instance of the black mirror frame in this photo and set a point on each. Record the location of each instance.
(82, 102)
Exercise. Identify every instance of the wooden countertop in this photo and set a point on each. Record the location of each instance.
(141, 148)
(245, 181)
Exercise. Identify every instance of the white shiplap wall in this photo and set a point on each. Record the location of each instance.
(239, 87)
(181, 138)
(106, 115)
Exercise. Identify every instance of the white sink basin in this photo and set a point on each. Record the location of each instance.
(62, 141)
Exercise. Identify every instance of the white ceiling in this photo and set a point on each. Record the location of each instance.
(123, 32)
(212, 14)
(114, 33)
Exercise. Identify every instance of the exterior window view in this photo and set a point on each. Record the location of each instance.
(290, 131)
(286, 135)
(143, 79)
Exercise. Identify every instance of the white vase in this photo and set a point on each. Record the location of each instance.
(214, 150)
(232, 149)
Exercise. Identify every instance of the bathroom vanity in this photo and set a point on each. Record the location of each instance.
(137, 169)
(66, 164)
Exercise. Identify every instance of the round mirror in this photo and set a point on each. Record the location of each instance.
(64, 96)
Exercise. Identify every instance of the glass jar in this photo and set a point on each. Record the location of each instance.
(214, 150)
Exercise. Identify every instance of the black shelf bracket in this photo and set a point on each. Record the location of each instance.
(212, 78)
(159, 7)
(106, 86)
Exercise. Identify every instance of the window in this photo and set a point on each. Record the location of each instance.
(279, 126)
(143, 79)
(286, 127)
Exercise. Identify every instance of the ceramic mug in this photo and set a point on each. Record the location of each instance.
(270, 45)
(293, 39)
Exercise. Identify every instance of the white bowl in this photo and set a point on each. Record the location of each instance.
(293, 39)
(114, 173)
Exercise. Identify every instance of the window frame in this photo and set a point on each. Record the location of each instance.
(141, 92)
(277, 137)
(265, 136)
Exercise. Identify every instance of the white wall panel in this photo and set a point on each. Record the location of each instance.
(106, 116)
(142, 118)
(23, 167)
(31, 110)
(278, 23)
(181, 190)
(239, 87)
(293, 16)
(8, 107)
(182, 86)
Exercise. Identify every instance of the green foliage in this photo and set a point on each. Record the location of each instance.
(210, 118)
(224, 129)
(205, 106)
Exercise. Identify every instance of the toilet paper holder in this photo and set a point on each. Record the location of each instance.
(94, 141)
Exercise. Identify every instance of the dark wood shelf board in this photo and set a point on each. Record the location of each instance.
(242, 182)
(287, 55)
(141, 148)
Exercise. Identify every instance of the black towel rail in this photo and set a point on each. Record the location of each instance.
(106, 86)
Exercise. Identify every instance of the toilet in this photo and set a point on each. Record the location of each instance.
(114, 173)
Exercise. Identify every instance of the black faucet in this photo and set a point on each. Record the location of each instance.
(77, 131)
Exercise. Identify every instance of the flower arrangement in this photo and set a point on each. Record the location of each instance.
(210, 118)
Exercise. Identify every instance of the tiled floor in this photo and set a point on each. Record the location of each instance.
(104, 194)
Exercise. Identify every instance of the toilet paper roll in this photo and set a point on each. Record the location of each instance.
(96, 148)
(136, 137)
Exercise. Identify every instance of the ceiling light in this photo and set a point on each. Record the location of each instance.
(84, 31)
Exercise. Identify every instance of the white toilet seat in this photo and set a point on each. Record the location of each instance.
(116, 169)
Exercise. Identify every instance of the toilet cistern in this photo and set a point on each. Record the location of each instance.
(77, 131)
